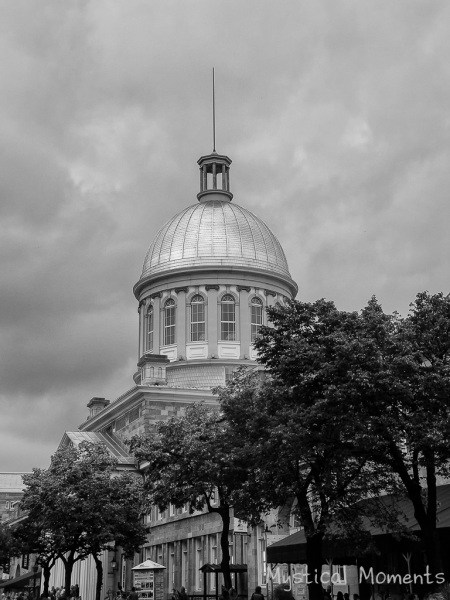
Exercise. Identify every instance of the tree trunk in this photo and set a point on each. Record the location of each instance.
(46, 570)
(225, 564)
(433, 556)
(424, 512)
(314, 562)
(68, 566)
(99, 583)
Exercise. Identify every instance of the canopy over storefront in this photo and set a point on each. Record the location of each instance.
(216, 569)
(292, 549)
(22, 581)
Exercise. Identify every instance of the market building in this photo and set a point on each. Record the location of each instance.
(207, 279)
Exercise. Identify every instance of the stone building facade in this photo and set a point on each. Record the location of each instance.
(207, 278)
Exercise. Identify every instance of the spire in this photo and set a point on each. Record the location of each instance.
(214, 112)
(214, 168)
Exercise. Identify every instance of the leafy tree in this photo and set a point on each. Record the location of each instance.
(121, 521)
(9, 546)
(303, 449)
(372, 387)
(77, 507)
(196, 460)
(401, 392)
(34, 541)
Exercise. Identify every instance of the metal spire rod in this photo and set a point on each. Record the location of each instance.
(214, 112)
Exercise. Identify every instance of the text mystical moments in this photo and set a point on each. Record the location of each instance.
(301, 576)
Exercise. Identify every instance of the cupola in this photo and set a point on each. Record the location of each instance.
(214, 177)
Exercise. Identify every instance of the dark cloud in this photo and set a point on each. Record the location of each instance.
(336, 118)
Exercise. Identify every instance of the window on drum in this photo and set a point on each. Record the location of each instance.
(169, 322)
(227, 318)
(256, 317)
(197, 319)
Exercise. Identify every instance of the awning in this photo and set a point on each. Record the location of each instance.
(213, 568)
(292, 548)
(22, 580)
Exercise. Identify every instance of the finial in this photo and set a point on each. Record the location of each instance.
(214, 110)
(214, 168)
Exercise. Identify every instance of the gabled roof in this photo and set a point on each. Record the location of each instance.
(126, 461)
(11, 482)
(148, 565)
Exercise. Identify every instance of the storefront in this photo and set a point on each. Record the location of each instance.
(27, 582)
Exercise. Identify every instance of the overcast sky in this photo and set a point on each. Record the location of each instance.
(336, 115)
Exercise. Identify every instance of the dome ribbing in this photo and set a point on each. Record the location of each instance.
(215, 233)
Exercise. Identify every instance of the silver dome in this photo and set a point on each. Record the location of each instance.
(215, 233)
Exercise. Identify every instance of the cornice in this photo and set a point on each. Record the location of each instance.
(216, 272)
(142, 392)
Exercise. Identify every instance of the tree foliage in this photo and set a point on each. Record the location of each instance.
(353, 391)
(77, 507)
(196, 460)
(304, 450)
(9, 545)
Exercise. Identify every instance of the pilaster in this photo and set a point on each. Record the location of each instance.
(212, 291)
(181, 321)
(156, 323)
(244, 319)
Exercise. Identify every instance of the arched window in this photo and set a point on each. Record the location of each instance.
(227, 318)
(256, 316)
(169, 322)
(197, 319)
(149, 329)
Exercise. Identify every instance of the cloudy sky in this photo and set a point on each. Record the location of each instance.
(336, 115)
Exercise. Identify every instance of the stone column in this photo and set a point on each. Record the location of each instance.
(181, 321)
(244, 319)
(156, 323)
(213, 320)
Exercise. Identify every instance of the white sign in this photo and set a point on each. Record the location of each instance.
(239, 526)
(144, 582)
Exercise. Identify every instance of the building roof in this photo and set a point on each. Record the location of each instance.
(11, 482)
(148, 564)
(215, 233)
(22, 580)
(111, 442)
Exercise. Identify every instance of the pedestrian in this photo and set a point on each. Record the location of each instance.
(327, 593)
(133, 595)
(225, 594)
(182, 594)
(257, 595)
(282, 592)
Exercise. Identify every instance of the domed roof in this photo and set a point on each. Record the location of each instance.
(215, 233)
